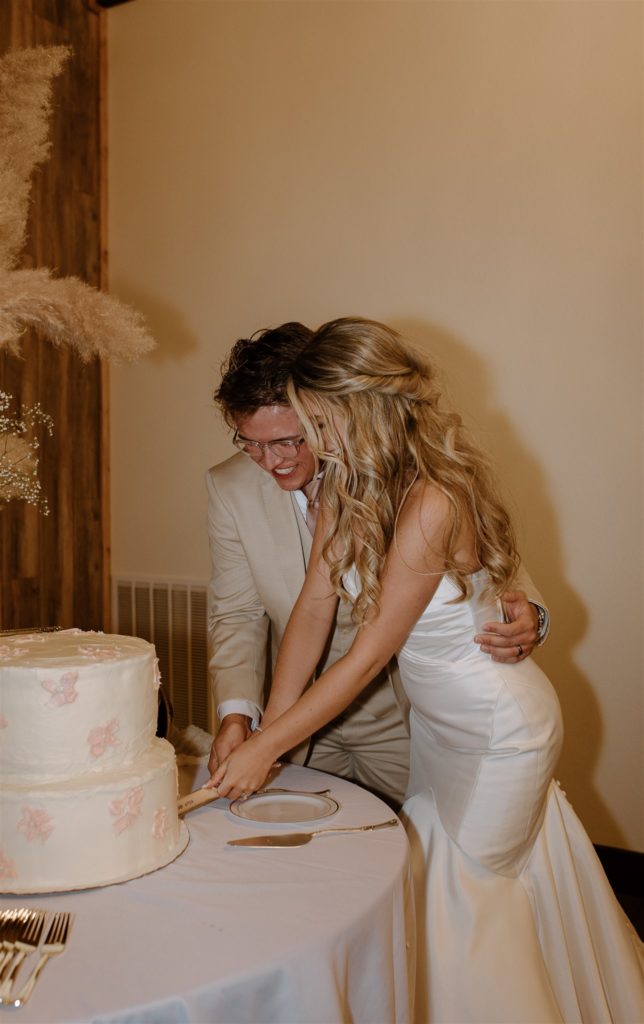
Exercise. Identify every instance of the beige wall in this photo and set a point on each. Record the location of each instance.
(469, 172)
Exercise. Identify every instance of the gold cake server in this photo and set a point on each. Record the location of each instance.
(301, 838)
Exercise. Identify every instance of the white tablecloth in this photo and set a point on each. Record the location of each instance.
(320, 933)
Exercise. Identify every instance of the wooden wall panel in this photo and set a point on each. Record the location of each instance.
(55, 569)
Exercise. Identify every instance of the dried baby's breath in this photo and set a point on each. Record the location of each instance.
(18, 453)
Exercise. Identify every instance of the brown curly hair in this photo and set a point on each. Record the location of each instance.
(257, 370)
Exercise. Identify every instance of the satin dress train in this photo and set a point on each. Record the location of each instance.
(516, 920)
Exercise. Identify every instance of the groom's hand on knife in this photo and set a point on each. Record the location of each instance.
(233, 731)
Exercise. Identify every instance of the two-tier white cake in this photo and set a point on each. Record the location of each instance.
(88, 793)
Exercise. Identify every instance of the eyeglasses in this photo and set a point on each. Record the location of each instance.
(284, 448)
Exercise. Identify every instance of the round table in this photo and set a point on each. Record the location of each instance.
(319, 933)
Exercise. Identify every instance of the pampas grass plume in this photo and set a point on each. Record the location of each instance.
(25, 103)
(66, 311)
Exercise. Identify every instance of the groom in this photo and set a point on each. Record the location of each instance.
(260, 521)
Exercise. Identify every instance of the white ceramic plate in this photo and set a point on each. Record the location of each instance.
(285, 808)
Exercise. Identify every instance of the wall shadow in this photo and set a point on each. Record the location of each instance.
(175, 340)
(468, 388)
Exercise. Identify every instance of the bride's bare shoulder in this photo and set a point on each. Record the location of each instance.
(423, 523)
(424, 530)
(426, 505)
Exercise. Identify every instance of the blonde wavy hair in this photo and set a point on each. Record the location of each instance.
(371, 411)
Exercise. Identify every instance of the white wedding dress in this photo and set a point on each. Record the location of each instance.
(516, 919)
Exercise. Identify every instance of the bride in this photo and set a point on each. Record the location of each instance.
(516, 919)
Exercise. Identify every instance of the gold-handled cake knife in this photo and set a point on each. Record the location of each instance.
(199, 797)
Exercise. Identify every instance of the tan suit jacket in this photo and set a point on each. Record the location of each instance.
(259, 547)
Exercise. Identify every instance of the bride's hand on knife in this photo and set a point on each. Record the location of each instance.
(245, 770)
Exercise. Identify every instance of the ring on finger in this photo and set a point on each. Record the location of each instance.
(519, 651)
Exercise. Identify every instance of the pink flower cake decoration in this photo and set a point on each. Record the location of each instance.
(9, 651)
(100, 653)
(160, 823)
(7, 866)
(127, 809)
(102, 737)
(63, 690)
(35, 824)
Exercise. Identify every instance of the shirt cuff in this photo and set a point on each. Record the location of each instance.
(240, 707)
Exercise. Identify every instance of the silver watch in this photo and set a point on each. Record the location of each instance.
(542, 622)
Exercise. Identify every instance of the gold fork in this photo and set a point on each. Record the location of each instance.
(11, 924)
(54, 944)
(24, 944)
